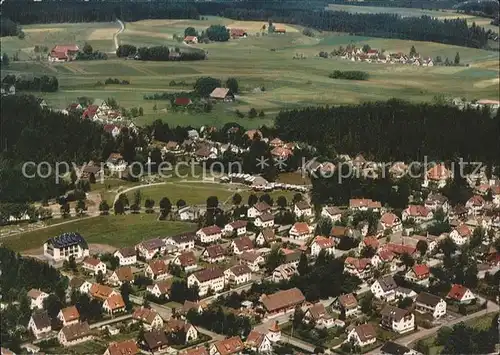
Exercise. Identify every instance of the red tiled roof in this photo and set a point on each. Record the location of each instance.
(421, 271)
(66, 48)
(476, 200)
(386, 255)
(281, 152)
(211, 230)
(229, 346)
(115, 301)
(301, 227)
(364, 202)
(182, 101)
(324, 242)
(457, 292)
(187, 259)
(190, 38)
(283, 299)
(464, 230)
(158, 267)
(126, 347)
(418, 211)
(70, 313)
(237, 32)
(371, 242)
(438, 172)
(91, 261)
(58, 55)
(359, 264)
(389, 219)
(251, 133)
(400, 248)
(348, 301)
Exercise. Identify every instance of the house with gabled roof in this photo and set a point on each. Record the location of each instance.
(241, 245)
(258, 342)
(265, 236)
(157, 270)
(461, 294)
(186, 260)
(184, 241)
(101, 292)
(227, 346)
(438, 174)
(360, 267)
(251, 259)
(209, 234)
(300, 231)
(417, 213)
(363, 335)
(239, 227)
(437, 201)
(461, 234)
(332, 212)
(39, 323)
(397, 319)
(125, 347)
(238, 274)
(384, 288)
(174, 325)
(390, 221)
(74, 334)
(114, 304)
(475, 204)
(322, 243)
(432, 304)
(318, 314)
(303, 208)
(258, 209)
(207, 279)
(264, 220)
(419, 273)
(121, 275)
(222, 94)
(148, 249)
(155, 341)
(69, 315)
(160, 289)
(364, 204)
(148, 317)
(94, 265)
(282, 301)
(214, 253)
(348, 304)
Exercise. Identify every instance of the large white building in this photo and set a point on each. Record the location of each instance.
(397, 319)
(67, 244)
(207, 279)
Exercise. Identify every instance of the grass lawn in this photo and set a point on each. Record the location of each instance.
(117, 231)
(258, 61)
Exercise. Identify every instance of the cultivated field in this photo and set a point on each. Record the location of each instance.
(260, 61)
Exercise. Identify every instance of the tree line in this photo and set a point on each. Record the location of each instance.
(396, 130)
(349, 75)
(26, 11)
(44, 83)
(449, 31)
(159, 53)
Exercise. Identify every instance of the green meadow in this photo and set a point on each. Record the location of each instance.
(261, 61)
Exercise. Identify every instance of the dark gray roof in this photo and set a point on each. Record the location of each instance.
(184, 238)
(66, 240)
(155, 339)
(428, 299)
(41, 319)
(387, 283)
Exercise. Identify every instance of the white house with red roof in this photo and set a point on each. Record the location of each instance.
(112, 129)
(36, 298)
(390, 221)
(300, 231)
(461, 234)
(475, 205)
(63, 53)
(92, 112)
(322, 243)
(438, 175)
(258, 209)
(209, 234)
(418, 213)
(94, 265)
(460, 294)
(190, 40)
(360, 267)
(419, 274)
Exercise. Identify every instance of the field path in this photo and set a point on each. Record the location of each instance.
(115, 36)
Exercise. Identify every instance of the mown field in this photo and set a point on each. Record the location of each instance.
(260, 61)
(118, 231)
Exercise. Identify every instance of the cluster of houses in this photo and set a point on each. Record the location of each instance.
(234, 33)
(375, 56)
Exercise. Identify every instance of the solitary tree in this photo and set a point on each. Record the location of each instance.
(165, 206)
(87, 48)
(282, 202)
(237, 199)
(413, 51)
(119, 207)
(422, 247)
(80, 207)
(252, 200)
(457, 59)
(65, 209)
(407, 260)
(180, 203)
(232, 85)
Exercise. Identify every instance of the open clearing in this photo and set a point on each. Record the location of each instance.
(118, 231)
(259, 61)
